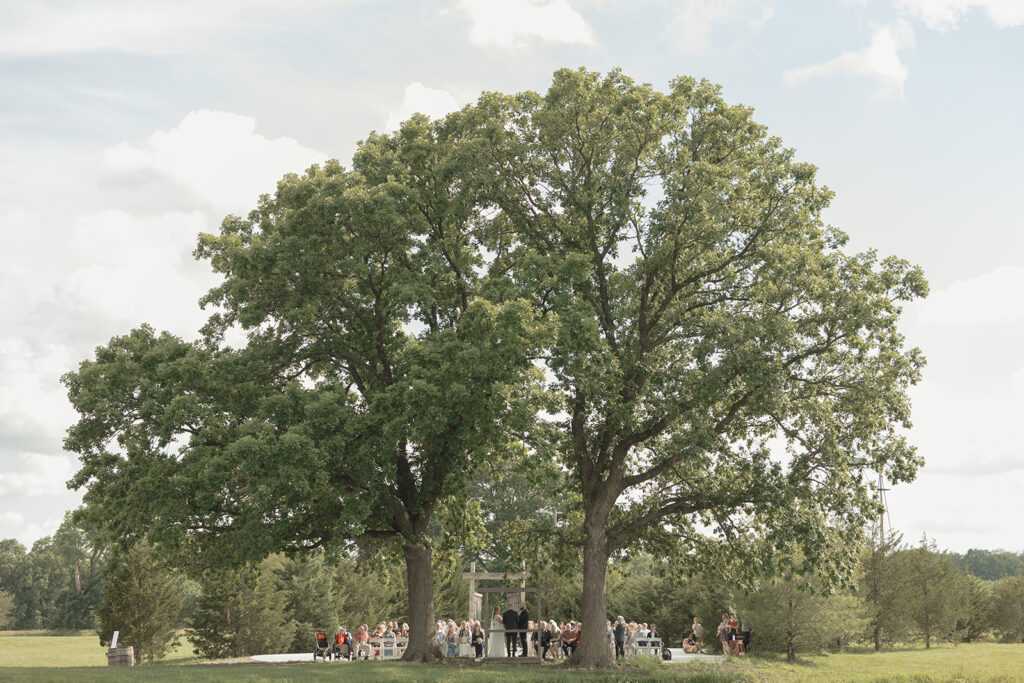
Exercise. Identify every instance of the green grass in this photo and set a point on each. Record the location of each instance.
(25, 649)
(38, 656)
(973, 662)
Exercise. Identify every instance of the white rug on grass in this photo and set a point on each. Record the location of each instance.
(679, 656)
(290, 657)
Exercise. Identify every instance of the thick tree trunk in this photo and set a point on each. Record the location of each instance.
(593, 650)
(420, 581)
(878, 637)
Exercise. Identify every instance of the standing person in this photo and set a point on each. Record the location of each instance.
(723, 634)
(478, 640)
(496, 635)
(452, 640)
(511, 622)
(620, 637)
(523, 623)
(465, 637)
(631, 630)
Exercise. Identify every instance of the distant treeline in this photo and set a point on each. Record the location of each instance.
(898, 593)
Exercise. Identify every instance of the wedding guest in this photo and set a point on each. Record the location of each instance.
(477, 639)
(620, 637)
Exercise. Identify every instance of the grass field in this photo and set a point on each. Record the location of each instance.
(45, 649)
(37, 656)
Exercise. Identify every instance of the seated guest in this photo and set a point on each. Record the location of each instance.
(568, 640)
(555, 639)
(342, 644)
(362, 636)
(545, 639)
(690, 645)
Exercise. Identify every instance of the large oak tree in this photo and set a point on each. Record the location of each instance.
(375, 374)
(703, 313)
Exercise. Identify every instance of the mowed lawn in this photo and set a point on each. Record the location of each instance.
(37, 656)
(46, 649)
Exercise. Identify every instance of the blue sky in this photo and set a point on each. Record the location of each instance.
(126, 128)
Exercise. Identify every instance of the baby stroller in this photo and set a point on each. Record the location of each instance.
(322, 648)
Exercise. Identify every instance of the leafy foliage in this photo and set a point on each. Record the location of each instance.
(701, 309)
(243, 612)
(880, 585)
(1008, 609)
(935, 595)
(990, 565)
(142, 601)
(6, 607)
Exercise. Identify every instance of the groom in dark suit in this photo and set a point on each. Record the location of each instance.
(524, 623)
(511, 622)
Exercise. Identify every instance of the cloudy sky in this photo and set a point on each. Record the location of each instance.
(128, 127)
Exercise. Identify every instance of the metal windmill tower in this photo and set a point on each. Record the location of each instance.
(880, 490)
(885, 507)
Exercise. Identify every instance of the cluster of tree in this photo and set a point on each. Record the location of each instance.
(56, 584)
(898, 593)
(990, 564)
(634, 287)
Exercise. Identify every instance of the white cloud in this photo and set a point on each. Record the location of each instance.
(514, 23)
(135, 269)
(54, 27)
(33, 409)
(995, 297)
(38, 475)
(216, 155)
(419, 99)
(879, 60)
(14, 525)
(766, 14)
(946, 14)
(690, 27)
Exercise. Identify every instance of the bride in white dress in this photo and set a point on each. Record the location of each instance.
(496, 636)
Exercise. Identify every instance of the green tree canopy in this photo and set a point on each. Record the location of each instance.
(936, 595)
(1008, 609)
(377, 369)
(702, 309)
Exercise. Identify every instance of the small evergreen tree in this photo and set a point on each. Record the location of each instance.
(880, 586)
(141, 600)
(1008, 609)
(243, 612)
(310, 604)
(792, 615)
(977, 618)
(934, 592)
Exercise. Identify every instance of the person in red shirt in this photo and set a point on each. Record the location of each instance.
(343, 643)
